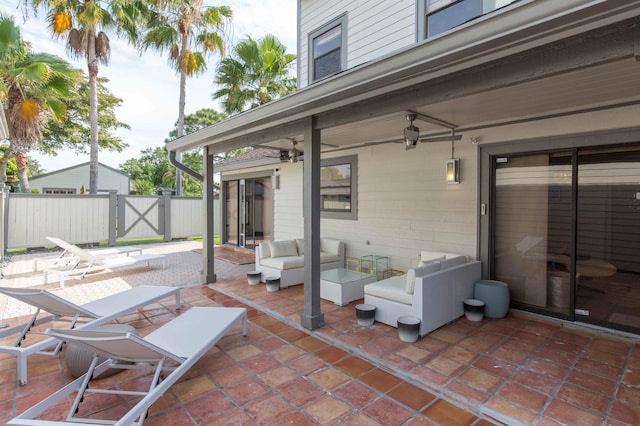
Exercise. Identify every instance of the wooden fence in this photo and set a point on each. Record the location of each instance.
(81, 219)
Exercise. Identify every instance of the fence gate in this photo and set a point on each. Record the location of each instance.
(143, 217)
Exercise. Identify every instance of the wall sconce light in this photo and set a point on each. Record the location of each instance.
(453, 171)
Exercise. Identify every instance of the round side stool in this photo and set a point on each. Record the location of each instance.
(273, 283)
(495, 295)
(253, 277)
(79, 359)
(408, 328)
(365, 314)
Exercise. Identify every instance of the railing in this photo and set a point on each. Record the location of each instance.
(81, 219)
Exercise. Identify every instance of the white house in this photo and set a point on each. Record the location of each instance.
(72, 179)
(535, 101)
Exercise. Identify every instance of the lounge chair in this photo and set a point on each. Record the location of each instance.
(85, 262)
(66, 257)
(97, 312)
(183, 340)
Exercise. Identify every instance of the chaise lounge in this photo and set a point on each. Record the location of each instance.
(85, 263)
(434, 291)
(66, 257)
(97, 312)
(182, 341)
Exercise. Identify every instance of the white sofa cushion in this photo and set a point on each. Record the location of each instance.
(453, 261)
(283, 248)
(265, 253)
(392, 288)
(329, 245)
(410, 284)
(284, 262)
(300, 245)
(427, 257)
(328, 257)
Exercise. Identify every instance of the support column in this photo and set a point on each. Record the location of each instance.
(208, 259)
(311, 317)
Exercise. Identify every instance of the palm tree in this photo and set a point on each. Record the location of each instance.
(190, 32)
(257, 73)
(85, 22)
(33, 87)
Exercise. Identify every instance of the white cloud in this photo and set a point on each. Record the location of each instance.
(148, 86)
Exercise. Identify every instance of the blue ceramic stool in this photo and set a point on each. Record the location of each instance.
(495, 295)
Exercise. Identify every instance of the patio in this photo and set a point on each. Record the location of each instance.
(517, 370)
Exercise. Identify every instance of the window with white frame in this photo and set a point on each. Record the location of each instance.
(338, 187)
(58, 191)
(443, 15)
(328, 52)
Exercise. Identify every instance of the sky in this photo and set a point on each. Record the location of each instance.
(147, 85)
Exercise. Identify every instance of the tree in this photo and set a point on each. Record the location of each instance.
(148, 169)
(33, 87)
(198, 120)
(190, 32)
(256, 73)
(75, 131)
(85, 22)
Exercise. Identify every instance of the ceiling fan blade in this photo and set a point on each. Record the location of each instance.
(441, 138)
(382, 142)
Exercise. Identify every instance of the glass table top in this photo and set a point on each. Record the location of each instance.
(343, 276)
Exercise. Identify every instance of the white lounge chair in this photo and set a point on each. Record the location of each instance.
(85, 262)
(97, 312)
(183, 340)
(66, 257)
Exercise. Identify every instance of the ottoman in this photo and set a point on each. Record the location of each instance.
(495, 295)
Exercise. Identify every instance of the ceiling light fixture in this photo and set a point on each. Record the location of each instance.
(411, 133)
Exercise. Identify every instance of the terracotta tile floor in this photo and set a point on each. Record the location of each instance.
(520, 369)
(517, 370)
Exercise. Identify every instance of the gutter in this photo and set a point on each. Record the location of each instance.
(178, 165)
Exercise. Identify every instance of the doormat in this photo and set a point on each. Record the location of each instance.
(624, 319)
(231, 255)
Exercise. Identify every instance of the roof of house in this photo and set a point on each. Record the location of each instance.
(250, 158)
(78, 166)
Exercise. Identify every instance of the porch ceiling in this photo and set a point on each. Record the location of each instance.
(595, 87)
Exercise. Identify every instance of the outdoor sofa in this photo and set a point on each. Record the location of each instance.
(285, 259)
(434, 291)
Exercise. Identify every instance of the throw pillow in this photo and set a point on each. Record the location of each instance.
(419, 272)
(265, 253)
(411, 281)
(283, 248)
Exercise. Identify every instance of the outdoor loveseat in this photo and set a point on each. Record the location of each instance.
(434, 291)
(285, 259)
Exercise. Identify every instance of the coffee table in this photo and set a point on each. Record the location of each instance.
(342, 286)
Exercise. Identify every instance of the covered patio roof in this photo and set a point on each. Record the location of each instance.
(528, 64)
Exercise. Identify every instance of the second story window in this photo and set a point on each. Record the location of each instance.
(443, 15)
(328, 50)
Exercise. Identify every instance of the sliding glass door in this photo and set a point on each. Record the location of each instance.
(566, 233)
(533, 229)
(248, 211)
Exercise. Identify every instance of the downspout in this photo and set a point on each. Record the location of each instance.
(180, 166)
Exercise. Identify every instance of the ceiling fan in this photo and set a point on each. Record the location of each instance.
(411, 133)
(293, 155)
